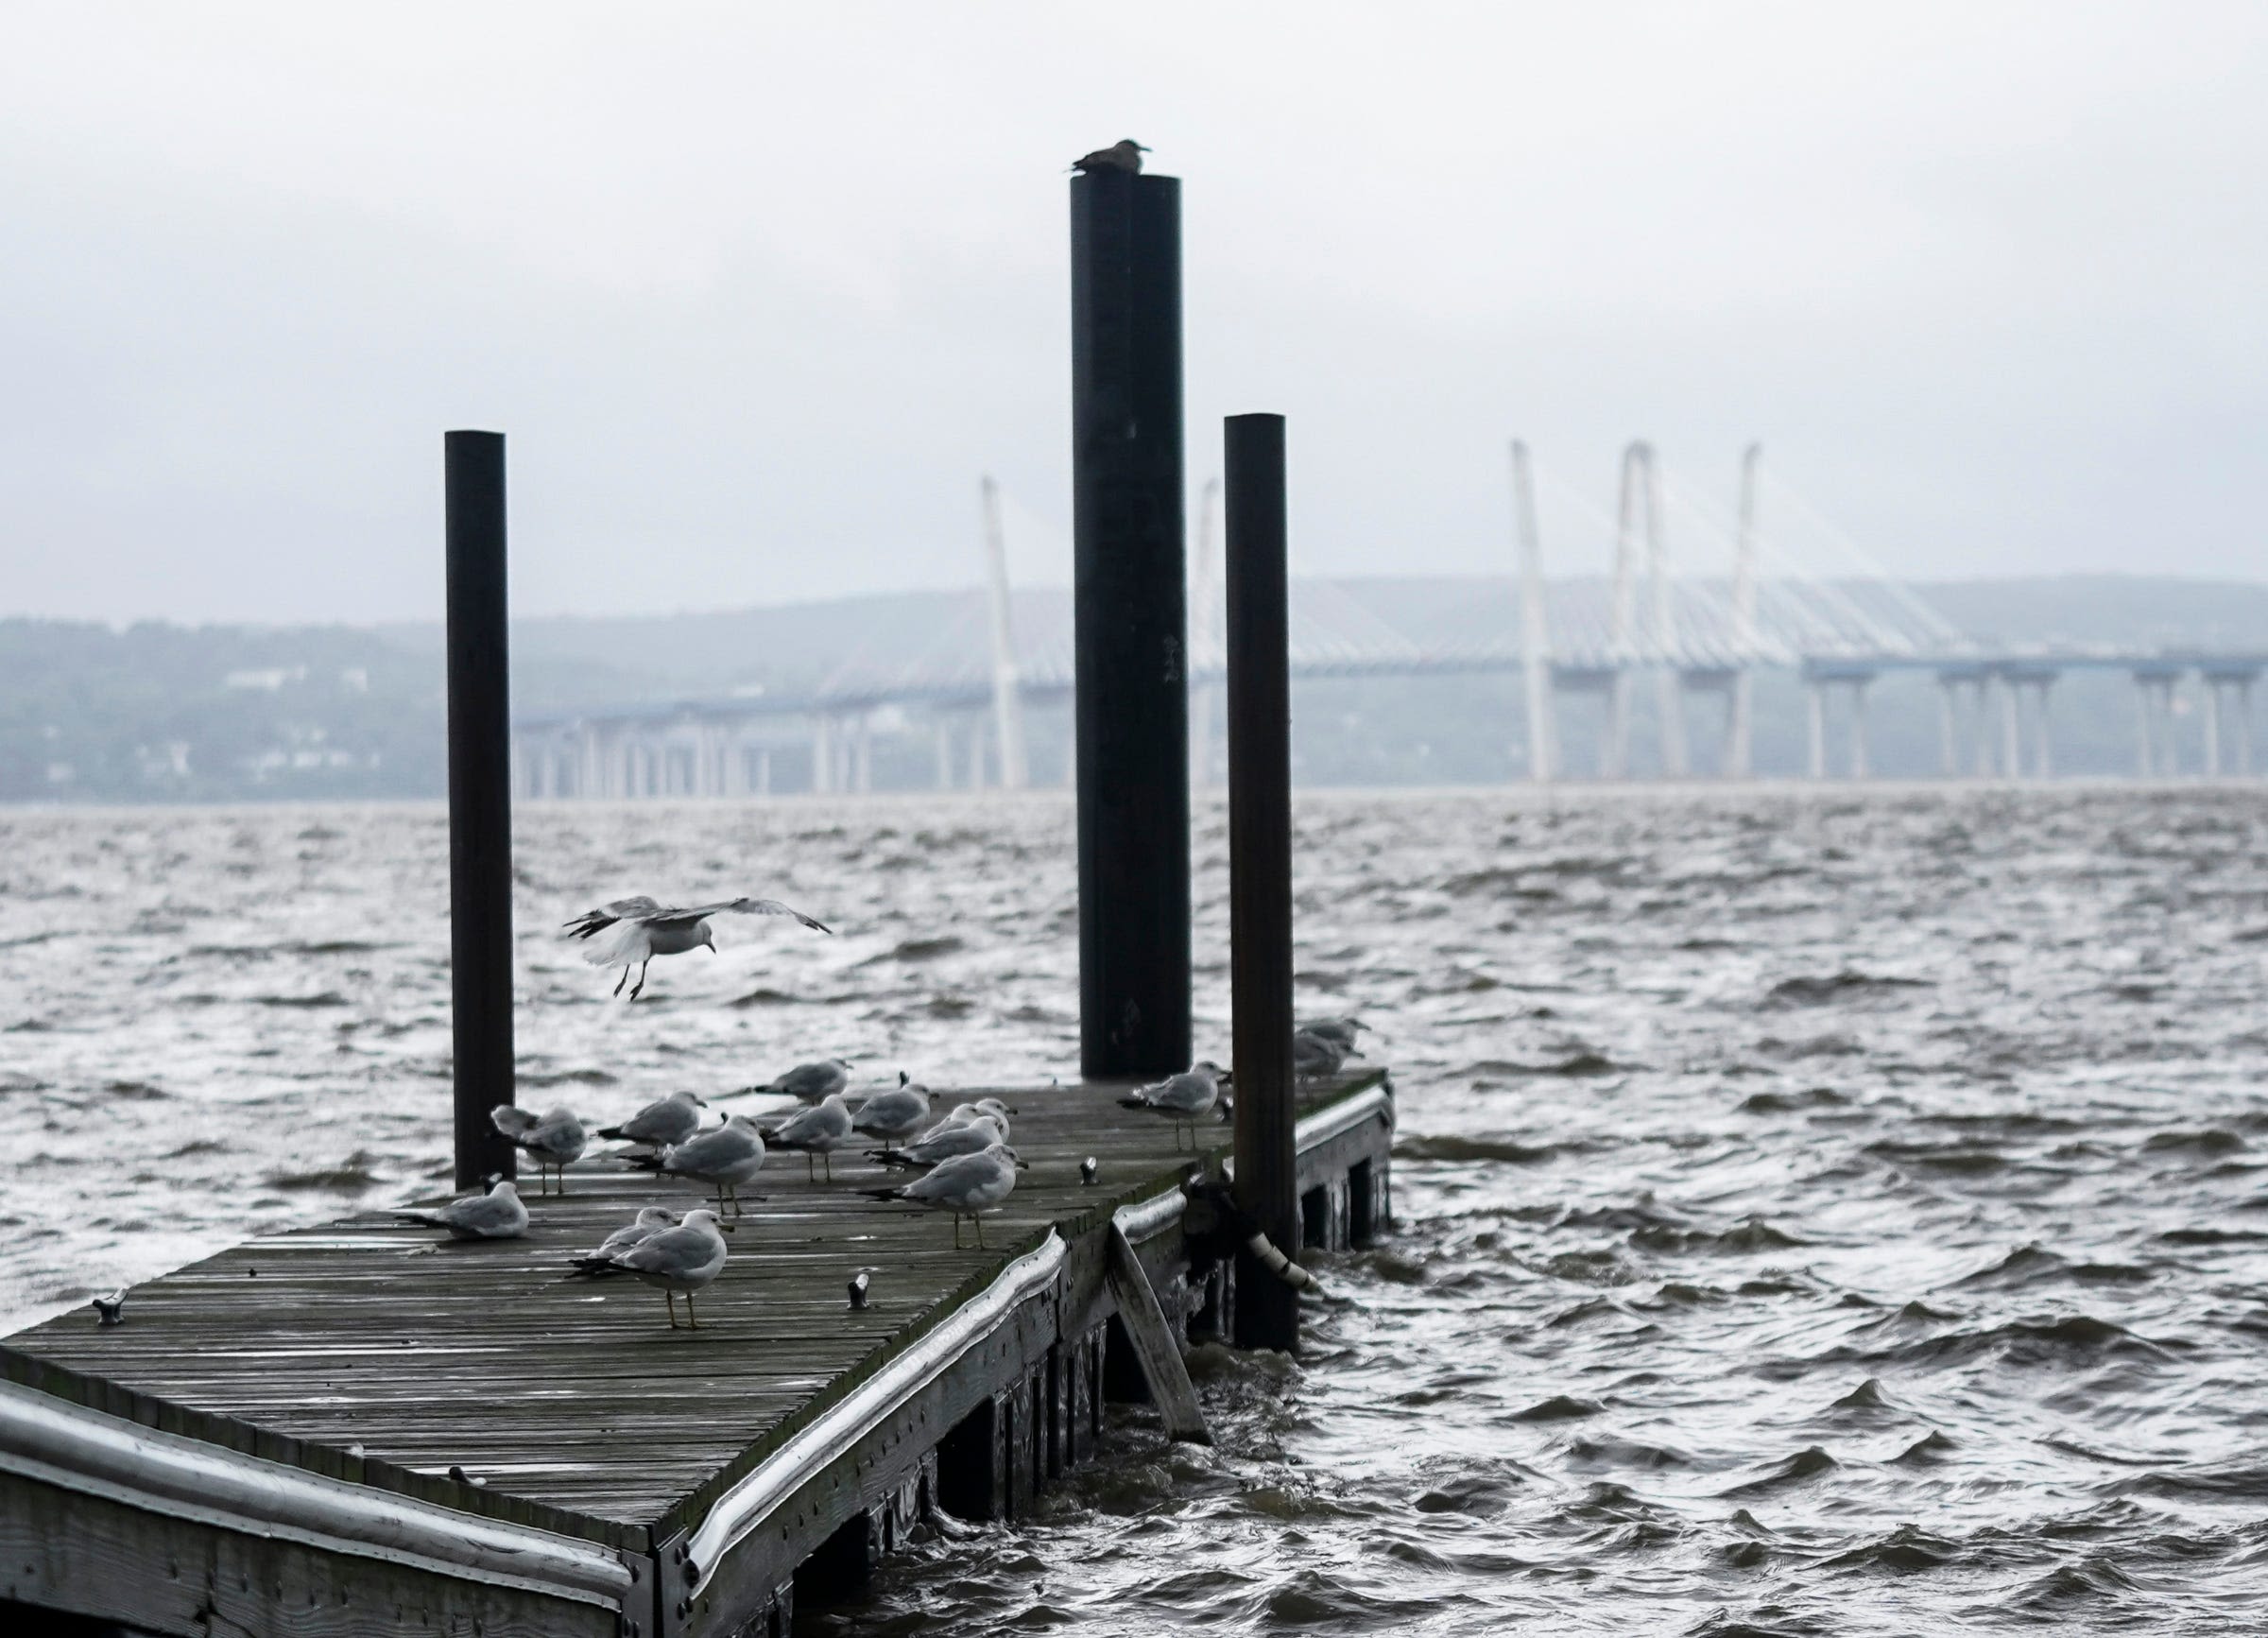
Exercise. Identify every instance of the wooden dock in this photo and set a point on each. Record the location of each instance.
(353, 1428)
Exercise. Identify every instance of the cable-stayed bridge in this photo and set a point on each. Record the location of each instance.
(1692, 642)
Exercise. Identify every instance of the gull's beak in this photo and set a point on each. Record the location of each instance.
(1141, 147)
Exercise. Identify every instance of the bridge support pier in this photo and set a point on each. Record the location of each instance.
(977, 748)
(1814, 700)
(1816, 684)
(2218, 741)
(1857, 729)
(822, 755)
(2156, 754)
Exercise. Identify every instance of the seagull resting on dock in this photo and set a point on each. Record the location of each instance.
(496, 1215)
(1123, 155)
(809, 1081)
(680, 1261)
(554, 1140)
(723, 1157)
(943, 1141)
(666, 1120)
(1186, 1097)
(650, 1221)
(894, 1113)
(636, 930)
(965, 1185)
(818, 1132)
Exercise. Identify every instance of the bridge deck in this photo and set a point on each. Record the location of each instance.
(381, 1354)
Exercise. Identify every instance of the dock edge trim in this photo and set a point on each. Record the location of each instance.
(1326, 1124)
(1145, 1218)
(741, 1510)
(92, 1453)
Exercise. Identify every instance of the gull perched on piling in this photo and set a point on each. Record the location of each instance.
(680, 1261)
(894, 1113)
(1122, 155)
(496, 1215)
(554, 1140)
(965, 1185)
(723, 1157)
(650, 1221)
(818, 1132)
(1186, 1096)
(636, 930)
(666, 1120)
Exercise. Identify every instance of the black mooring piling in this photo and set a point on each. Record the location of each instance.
(480, 802)
(1131, 616)
(1259, 867)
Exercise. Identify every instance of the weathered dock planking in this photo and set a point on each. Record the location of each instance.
(267, 1444)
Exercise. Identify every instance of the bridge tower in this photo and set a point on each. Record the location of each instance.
(1007, 695)
(1662, 626)
(1534, 624)
(1740, 724)
(1614, 760)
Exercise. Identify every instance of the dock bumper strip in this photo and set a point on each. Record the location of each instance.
(742, 1510)
(92, 1453)
(1145, 1219)
(1325, 1124)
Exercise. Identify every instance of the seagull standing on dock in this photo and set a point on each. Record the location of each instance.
(680, 1261)
(966, 1185)
(723, 1157)
(1186, 1098)
(496, 1215)
(666, 1120)
(1342, 1030)
(554, 1140)
(1123, 155)
(650, 1221)
(818, 1132)
(894, 1113)
(811, 1082)
(943, 1141)
(636, 930)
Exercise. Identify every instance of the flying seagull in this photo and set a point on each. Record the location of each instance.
(1124, 155)
(636, 930)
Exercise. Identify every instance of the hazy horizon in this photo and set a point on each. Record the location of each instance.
(757, 296)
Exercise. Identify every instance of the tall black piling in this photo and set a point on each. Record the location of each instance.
(480, 802)
(1131, 613)
(1260, 868)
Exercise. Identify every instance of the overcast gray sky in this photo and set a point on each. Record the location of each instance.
(758, 291)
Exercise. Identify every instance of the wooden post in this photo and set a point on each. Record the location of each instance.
(1259, 869)
(1130, 605)
(480, 801)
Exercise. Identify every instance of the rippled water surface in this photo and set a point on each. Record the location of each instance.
(1836, 1214)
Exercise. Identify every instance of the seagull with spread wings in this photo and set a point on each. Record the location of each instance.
(631, 932)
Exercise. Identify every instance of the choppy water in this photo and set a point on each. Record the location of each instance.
(1837, 1215)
